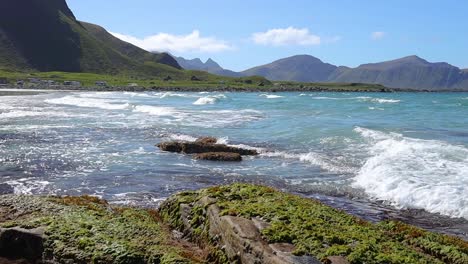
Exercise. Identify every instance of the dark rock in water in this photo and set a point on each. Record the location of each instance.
(18, 243)
(219, 156)
(6, 189)
(199, 147)
(207, 140)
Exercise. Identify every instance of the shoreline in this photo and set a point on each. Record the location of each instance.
(346, 89)
(279, 227)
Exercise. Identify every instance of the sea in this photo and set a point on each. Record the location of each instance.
(379, 156)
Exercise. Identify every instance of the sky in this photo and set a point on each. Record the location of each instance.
(242, 34)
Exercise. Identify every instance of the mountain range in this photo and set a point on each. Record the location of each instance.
(410, 72)
(38, 35)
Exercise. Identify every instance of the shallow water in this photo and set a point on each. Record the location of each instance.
(377, 155)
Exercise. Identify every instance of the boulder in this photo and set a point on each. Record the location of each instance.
(199, 147)
(219, 156)
(207, 140)
(18, 243)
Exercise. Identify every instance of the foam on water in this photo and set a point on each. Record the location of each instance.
(88, 102)
(415, 173)
(205, 101)
(156, 110)
(31, 113)
(271, 96)
(27, 186)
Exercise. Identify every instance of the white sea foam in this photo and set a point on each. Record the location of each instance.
(27, 185)
(22, 113)
(271, 96)
(378, 100)
(156, 110)
(209, 99)
(313, 158)
(88, 102)
(182, 137)
(415, 173)
(205, 100)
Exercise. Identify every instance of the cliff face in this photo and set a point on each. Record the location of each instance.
(37, 31)
(45, 36)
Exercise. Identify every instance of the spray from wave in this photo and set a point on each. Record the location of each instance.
(415, 173)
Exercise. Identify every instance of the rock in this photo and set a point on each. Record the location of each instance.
(337, 260)
(18, 243)
(198, 147)
(6, 189)
(218, 156)
(207, 140)
(195, 79)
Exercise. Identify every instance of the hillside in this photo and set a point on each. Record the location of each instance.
(300, 68)
(45, 36)
(407, 72)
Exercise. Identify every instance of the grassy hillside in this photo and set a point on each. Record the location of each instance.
(45, 36)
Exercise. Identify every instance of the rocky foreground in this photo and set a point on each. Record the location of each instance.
(239, 223)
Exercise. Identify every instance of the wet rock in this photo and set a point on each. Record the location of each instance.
(219, 156)
(6, 189)
(18, 243)
(200, 147)
(207, 140)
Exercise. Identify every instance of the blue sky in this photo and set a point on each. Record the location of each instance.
(241, 34)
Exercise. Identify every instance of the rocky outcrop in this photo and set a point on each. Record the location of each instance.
(206, 148)
(244, 223)
(20, 243)
(218, 156)
(237, 239)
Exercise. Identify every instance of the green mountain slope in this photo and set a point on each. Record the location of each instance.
(300, 68)
(45, 36)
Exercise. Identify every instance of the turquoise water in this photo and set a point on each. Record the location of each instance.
(398, 151)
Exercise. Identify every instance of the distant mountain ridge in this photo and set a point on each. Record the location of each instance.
(45, 36)
(209, 66)
(411, 72)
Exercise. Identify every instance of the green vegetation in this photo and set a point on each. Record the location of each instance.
(88, 230)
(321, 231)
(183, 79)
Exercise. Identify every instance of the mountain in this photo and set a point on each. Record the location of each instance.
(45, 36)
(209, 66)
(300, 68)
(408, 72)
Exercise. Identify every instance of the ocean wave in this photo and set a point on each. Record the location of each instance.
(27, 186)
(271, 96)
(313, 158)
(209, 99)
(157, 110)
(415, 173)
(22, 113)
(205, 101)
(88, 102)
(378, 100)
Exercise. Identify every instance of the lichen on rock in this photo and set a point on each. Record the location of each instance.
(250, 223)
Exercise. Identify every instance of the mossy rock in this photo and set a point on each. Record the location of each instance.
(315, 229)
(88, 230)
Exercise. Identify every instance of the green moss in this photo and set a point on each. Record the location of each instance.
(321, 231)
(88, 230)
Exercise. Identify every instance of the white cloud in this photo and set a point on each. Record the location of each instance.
(164, 42)
(286, 36)
(378, 35)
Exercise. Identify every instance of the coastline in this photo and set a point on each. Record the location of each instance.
(239, 222)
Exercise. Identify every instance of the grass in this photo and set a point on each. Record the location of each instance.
(182, 79)
(321, 231)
